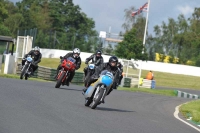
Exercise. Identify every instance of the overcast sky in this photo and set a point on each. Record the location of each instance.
(108, 13)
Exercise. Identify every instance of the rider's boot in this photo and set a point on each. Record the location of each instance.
(84, 89)
(67, 82)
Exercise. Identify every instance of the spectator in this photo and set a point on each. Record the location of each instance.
(150, 75)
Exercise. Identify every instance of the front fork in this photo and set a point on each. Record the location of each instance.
(59, 74)
(26, 68)
(104, 93)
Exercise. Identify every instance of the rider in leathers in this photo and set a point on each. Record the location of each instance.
(36, 56)
(96, 58)
(110, 66)
(76, 55)
(120, 66)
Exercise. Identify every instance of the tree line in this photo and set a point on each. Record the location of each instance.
(60, 24)
(176, 39)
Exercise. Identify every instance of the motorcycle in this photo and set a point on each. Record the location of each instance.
(90, 72)
(68, 65)
(97, 91)
(27, 69)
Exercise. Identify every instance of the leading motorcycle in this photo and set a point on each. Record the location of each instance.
(68, 65)
(99, 89)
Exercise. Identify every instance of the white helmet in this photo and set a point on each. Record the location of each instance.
(36, 50)
(76, 51)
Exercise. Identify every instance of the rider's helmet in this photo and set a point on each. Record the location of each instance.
(36, 50)
(98, 53)
(113, 60)
(76, 52)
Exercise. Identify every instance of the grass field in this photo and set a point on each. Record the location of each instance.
(162, 79)
(154, 91)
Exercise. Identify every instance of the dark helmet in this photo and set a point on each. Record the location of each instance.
(76, 51)
(113, 59)
(98, 52)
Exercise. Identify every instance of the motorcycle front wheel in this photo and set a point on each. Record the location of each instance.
(88, 102)
(59, 81)
(97, 97)
(23, 72)
(87, 78)
(26, 76)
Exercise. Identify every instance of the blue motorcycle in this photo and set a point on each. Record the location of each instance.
(99, 89)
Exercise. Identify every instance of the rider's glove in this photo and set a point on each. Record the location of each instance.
(61, 57)
(76, 67)
(33, 63)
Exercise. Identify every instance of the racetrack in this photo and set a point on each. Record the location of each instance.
(38, 107)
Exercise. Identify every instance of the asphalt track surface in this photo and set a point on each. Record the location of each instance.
(38, 107)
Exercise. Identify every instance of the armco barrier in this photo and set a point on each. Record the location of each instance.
(47, 73)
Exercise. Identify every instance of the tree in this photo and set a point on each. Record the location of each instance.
(131, 47)
(60, 24)
(3, 10)
(13, 22)
(109, 49)
(4, 30)
(129, 20)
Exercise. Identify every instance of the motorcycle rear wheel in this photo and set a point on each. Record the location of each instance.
(59, 81)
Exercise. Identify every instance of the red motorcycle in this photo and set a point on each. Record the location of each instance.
(68, 65)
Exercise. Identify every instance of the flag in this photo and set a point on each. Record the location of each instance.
(140, 10)
(145, 7)
(134, 13)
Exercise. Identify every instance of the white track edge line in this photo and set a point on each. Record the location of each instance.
(177, 117)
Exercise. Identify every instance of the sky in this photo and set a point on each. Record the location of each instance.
(110, 13)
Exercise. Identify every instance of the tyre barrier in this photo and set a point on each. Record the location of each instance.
(186, 95)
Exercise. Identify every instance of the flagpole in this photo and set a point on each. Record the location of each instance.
(145, 30)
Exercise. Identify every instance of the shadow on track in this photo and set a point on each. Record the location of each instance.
(111, 109)
(67, 88)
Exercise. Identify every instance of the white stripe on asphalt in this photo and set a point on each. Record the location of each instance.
(177, 117)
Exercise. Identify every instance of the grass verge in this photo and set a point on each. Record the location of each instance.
(162, 79)
(152, 91)
(14, 76)
(191, 109)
